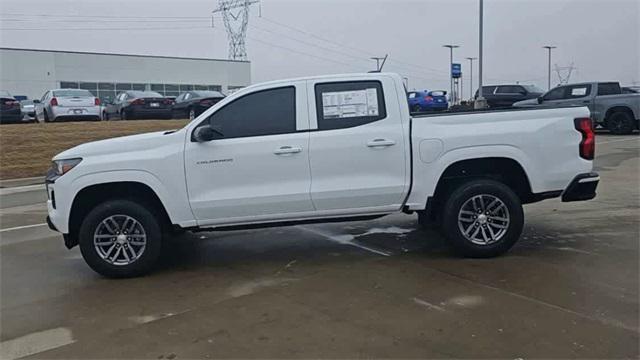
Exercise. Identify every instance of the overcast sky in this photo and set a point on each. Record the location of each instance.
(308, 37)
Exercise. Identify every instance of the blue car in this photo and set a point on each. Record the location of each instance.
(420, 101)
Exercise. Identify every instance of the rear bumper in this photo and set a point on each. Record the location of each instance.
(7, 116)
(582, 187)
(80, 112)
(150, 113)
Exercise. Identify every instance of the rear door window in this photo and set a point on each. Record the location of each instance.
(609, 89)
(509, 89)
(342, 105)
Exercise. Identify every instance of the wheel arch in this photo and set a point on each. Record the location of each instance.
(92, 195)
(619, 108)
(503, 169)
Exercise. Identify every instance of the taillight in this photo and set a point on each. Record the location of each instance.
(12, 103)
(97, 102)
(588, 143)
(53, 102)
(205, 103)
(428, 98)
(137, 102)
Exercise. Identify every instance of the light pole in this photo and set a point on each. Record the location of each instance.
(451, 47)
(480, 102)
(548, 47)
(471, 78)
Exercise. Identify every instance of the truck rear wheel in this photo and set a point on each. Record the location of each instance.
(620, 123)
(483, 218)
(120, 238)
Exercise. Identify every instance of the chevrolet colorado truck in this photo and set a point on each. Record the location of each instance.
(611, 108)
(318, 149)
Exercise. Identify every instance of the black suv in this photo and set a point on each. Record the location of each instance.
(503, 96)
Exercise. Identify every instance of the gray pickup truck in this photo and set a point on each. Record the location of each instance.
(610, 108)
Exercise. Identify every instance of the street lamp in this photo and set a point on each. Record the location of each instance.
(548, 47)
(471, 78)
(451, 47)
(480, 102)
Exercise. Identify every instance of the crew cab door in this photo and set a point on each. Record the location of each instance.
(358, 151)
(259, 169)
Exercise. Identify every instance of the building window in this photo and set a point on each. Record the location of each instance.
(123, 87)
(93, 87)
(215, 88)
(68, 85)
(106, 86)
(139, 87)
(184, 88)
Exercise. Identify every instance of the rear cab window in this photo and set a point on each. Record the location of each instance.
(342, 105)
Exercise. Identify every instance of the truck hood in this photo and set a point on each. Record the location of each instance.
(119, 145)
(527, 103)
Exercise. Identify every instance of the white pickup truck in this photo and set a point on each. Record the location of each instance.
(318, 149)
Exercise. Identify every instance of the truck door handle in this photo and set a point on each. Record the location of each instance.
(283, 150)
(380, 143)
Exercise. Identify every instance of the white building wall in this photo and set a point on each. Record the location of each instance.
(32, 72)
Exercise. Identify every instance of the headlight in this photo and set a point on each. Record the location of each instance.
(62, 167)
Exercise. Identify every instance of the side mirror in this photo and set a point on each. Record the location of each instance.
(36, 101)
(540, 99)
(206, 133)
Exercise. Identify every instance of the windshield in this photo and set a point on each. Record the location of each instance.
(143, 94)
(208, 93)
(26, 102)
(533, 89)
(72, 93)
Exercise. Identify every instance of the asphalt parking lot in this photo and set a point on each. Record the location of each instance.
(353, 290)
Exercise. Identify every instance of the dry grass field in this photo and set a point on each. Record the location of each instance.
(26, 149)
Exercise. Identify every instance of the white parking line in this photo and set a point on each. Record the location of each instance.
(21, 189)
(35, 343)
(22, 227)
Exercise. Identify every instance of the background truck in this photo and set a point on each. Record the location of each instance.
(318, 149)
(610, 107)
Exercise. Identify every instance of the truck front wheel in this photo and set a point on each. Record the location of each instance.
(620, 123)
(120, 238)
(483, 218)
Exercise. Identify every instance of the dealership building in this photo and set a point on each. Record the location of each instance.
(32, 72)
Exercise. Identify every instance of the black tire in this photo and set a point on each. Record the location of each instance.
(147, 258)
(490, 189)
(620, 123)
(191, 113)
(123, 115)
(105, 116)
(46, 116)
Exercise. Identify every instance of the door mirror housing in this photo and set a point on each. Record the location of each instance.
(206, 133)
(36, 101)
(540, 99)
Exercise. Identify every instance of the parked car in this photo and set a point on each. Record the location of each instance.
(10, 111)
(427, 100)
(193, 103)
(610, 107)
(28, 108)
(67, 104)
(504, 96)
(324, 148)
(130, 105)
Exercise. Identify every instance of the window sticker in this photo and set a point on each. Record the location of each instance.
(347, 104)
(579, 91)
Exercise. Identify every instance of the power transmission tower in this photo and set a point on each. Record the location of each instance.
(564, 73)
(235, 15)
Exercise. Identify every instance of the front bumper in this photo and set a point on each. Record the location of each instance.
(582, 187)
